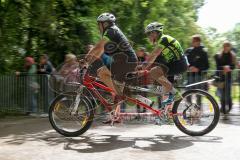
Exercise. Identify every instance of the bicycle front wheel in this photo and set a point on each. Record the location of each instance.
(197, 113)
(66, 123)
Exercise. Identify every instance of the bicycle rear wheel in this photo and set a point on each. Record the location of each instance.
(71, 125)
(197, 113)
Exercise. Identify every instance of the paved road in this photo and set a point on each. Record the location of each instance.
(33, 139)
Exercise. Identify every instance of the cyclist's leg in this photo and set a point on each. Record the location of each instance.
(175, 68)
(106, 77)
(158, 73)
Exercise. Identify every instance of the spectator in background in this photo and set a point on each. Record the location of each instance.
(225, 63)
(45, 68)
(70, 64)
(198, 63)
(68, 73)
(30, 69)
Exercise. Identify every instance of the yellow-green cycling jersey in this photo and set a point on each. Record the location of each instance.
(171, 49)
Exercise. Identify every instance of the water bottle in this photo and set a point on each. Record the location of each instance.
(145, 100)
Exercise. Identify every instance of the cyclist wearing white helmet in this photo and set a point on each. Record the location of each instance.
(116, 46)
(167, 59)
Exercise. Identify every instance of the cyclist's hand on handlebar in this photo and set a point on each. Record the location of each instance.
(83, 63)
(139, 67)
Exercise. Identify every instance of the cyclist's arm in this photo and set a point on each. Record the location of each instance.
(96, 52)
(152, 57)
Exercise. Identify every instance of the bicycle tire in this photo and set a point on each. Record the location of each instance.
(84, 128)
(210, 127)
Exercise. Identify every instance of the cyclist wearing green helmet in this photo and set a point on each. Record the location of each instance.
(167, 59)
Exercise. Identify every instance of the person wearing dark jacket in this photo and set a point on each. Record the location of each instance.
(198, 63)
(197, 56)
(45, 68)
(225, 63)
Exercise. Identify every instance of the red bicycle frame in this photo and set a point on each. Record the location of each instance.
(90, 82)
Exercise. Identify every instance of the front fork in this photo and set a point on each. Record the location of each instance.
(75, 104)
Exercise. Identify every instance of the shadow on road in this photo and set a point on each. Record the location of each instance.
(93, 143)
(156, 143)
(18, 132)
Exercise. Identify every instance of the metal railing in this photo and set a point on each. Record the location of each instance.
(32, 93)
(29, 93)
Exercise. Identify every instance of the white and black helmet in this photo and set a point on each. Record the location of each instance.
(154, 26)
(106, 17)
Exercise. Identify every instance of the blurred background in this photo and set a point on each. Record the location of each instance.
(29, 27)
(49, 30)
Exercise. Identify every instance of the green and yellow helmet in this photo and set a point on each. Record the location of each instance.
(154, 26)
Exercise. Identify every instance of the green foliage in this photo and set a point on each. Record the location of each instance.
(216, 39)
(234, 37)
(55, 27)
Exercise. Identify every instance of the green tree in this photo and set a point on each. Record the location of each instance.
(55, 27)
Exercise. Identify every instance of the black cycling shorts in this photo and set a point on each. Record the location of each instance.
(173, 68)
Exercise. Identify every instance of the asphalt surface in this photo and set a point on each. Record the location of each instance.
(25, 138)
